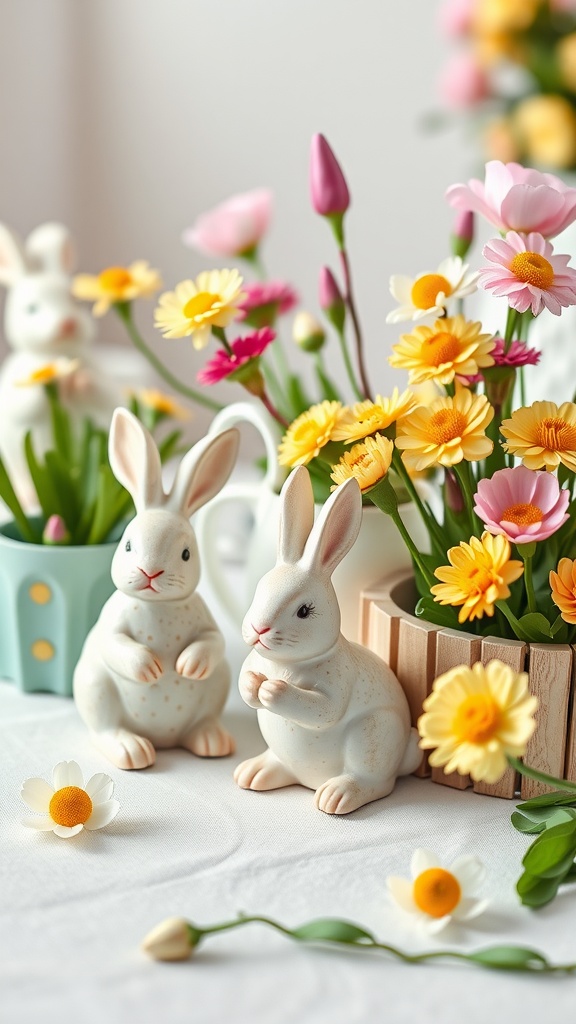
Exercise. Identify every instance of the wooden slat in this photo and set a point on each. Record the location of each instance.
(379, 593)
(513, 653)
(415, 667)
(381, 628)
(454, 648)
(550, 680)
(570, 760)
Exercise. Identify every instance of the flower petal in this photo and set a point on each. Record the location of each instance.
(401, 891)
(422, 860)
(65, 832)
(37, 794)
(99, 788)
(44, 823)
(102, 815)
(469, 872)
(67, 773)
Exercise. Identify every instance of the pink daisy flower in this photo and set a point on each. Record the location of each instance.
(517, 355)
(528, 273)
(244, 351)
(522, 504)
(270, 298)
(516, 198)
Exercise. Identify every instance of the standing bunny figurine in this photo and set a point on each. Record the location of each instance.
(152, 671)
(42, 322)
(333, 714)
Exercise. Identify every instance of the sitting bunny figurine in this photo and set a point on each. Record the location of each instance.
(333, 714)
(152, 671)
(42, 322)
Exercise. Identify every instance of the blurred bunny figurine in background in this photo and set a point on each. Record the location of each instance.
(42, 323)
(152, 671)
(333, 714)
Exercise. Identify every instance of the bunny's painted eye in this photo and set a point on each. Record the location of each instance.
(305, 610)
(128, 546)
(186, 554)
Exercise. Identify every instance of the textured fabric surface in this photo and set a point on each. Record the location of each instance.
(188, 842)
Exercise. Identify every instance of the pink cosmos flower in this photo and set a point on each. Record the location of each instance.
(233, 227)
(516, 198)
(243, 350)
(522, 504)
(528, 274)
(257, 294)
(463, 82)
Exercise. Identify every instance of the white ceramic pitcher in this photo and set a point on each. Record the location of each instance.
(378, 551)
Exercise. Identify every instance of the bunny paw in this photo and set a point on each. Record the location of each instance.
(145, 666)
(271, 691)
(125, 749)
(196, 662)
(263, 772)
(339, 795)
(209, 740)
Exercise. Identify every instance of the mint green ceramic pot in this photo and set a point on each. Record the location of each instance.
(50, 597)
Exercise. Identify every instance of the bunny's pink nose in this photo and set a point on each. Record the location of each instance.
(261, 631)
(68, 327)
(149, 577)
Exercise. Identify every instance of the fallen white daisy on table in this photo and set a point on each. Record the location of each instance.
(68, 806)
(438, 895)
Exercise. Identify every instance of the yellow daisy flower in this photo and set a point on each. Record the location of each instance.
(308, 434)
(195, 307)
(543, 435)
(475, 717)
(160, 402)
(478, 575)
(50, 372)
(446, 431)
(368, 462)
(452, 346)
(117, 284)
(367, 417)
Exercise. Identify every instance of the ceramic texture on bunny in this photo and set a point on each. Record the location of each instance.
(334, 716)
(42, 322)
(152, 672)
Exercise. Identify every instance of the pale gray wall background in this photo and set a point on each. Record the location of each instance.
(126, 118)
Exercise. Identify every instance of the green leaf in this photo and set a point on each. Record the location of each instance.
(558, 798)
(441, 615)
(549, 852)
(61, 426)
(297, 397)
(168, 445)
(332, 930)
(59, 471)
(536, 625)
(537, 892)
(9, 497)
(48, 497)
(510, 958)
(541, 818)
(327, 389)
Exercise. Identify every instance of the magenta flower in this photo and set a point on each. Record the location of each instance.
(522, 504)
(516, 198)
(264, 300)
(55, 531)
(232, 228)
(328, 189)
(527, 272)
(517, 355)
(244, 351)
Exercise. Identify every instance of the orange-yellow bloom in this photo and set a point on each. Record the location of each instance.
(368, 417)
(543, 435)
(563, 586)
(477, 577)
(445, 432)
(452, 346)
(195, 307)
(117, 284)
(307, 434)
(368, 462)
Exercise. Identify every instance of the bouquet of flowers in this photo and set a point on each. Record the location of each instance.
(514, 66)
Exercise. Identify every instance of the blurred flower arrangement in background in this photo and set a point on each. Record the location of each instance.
(512, 71)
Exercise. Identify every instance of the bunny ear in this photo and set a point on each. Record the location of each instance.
(50, 248)
(336, 528)
(203, 472)
(297, 515)
(135, 460)
(13, 263)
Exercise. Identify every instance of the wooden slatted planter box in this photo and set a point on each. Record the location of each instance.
(418, 651)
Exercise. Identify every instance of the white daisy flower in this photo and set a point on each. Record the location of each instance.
(438, 895)
(428, 294)
(68, 806)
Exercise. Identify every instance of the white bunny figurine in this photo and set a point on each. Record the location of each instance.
(43, 322)
(152, 671)
(333, 714)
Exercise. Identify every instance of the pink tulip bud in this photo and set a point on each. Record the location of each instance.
(55, 531)
(463, 234)
(328, 189)
(330, 298)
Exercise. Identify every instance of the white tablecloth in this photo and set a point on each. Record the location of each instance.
(188, 842)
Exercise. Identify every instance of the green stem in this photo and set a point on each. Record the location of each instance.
(124, 312)
(382, 496)
(548, 780)
(428, 517)
(529, 960)
(348, 364)
(528, 581)
(511, 320)
(462, 471)
(273, 410)
(220, 333)
(350, 303)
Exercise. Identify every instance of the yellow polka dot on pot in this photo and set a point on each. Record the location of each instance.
(42, 650)
(40, 593)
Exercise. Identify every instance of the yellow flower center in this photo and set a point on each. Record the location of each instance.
(523, 514)
(199, 304)
(532, 268)
(477, 719)
(44, 375)
(440, 348)
(446, 425)
(70, 806)
(114, 280)
(426, 288)
(437, 892)
(556, 435)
